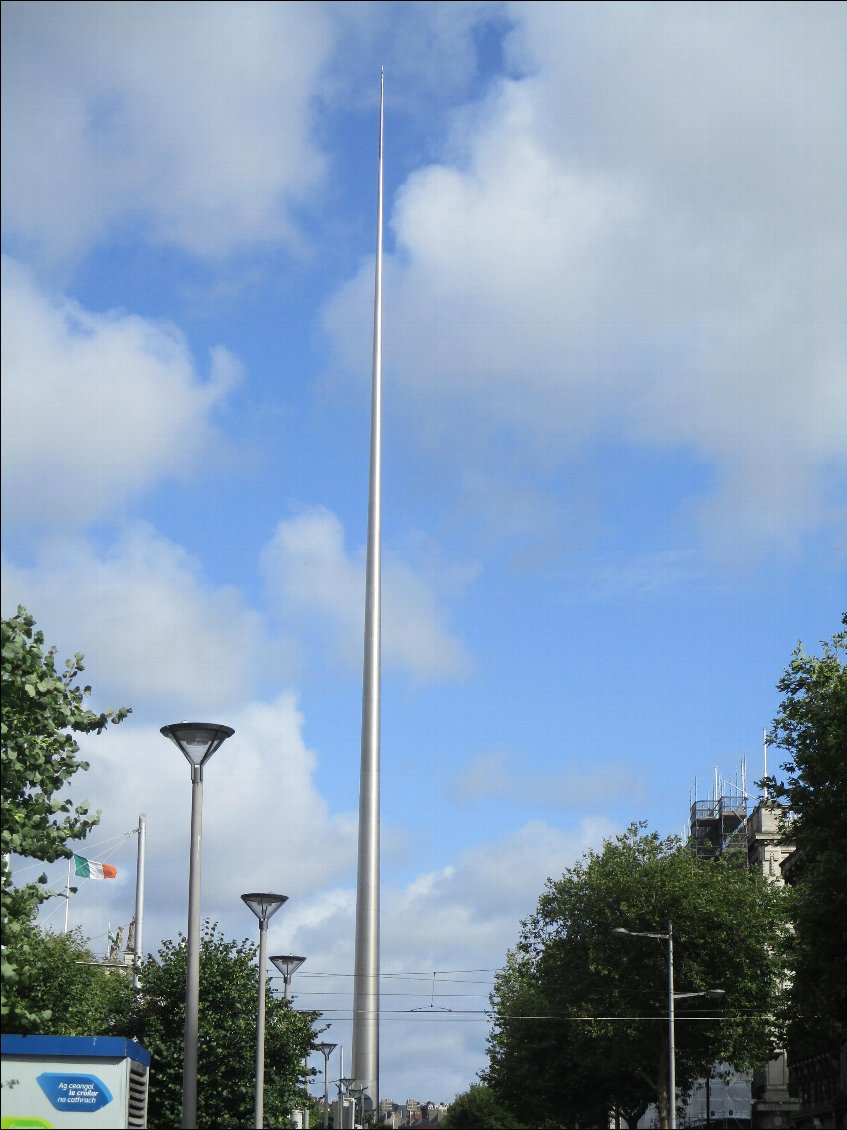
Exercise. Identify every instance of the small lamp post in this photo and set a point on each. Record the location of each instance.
(287, 964)
(264, 906)
(344, 1085)
(327, 1050)
(197, 741)
(357, 1089)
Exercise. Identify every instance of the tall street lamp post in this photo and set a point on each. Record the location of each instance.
(327, 1050)
(197, 741)
(264, 906)
(672, 998)
(287, 964)
(671, 1046)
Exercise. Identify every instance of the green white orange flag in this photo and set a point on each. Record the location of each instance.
(88, 869)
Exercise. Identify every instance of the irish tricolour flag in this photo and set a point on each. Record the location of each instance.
(88, 869)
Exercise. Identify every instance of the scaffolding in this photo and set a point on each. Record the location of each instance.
(719, 824)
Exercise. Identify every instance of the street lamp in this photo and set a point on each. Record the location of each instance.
(344, 1085)
(287, 964)
(327, 1050)
(197, 741)
(264, 906)
(357, 1089)
(672, 997)
(671, 1048)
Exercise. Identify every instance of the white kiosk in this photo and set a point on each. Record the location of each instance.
(86, 1082)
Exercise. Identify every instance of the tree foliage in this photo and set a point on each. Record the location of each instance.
(478, 1107)
(63, 993)
(229, 986)
(812, 727)
(581, 1014)
(42, 709)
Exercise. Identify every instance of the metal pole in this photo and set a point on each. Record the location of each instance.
(366, 976)
(326, 1090)
(339, 1121)
(259, 1105)
(138, 951)
(68, 895)
(671, 1037)
(192, 975)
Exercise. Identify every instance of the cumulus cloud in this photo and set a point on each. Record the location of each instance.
(308, 570)
(95, 407)
(599, 258)
(196, 126)
(155, 633)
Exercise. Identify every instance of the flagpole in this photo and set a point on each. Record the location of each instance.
(68, 894)
(138, 950)
(366, 975)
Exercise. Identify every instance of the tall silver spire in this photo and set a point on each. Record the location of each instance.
(366, 980)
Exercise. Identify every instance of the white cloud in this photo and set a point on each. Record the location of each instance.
(192, 119)
(154, 632)
(499, 775)
(604, 258)
(95, 407)
(308, 571)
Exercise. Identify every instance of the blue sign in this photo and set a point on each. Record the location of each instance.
(74, 1093)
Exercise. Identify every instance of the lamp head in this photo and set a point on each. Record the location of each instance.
(287, 964)
(197, 741)
(264, 905)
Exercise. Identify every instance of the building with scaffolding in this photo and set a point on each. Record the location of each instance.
(729, 821)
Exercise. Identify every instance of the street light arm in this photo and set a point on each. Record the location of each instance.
(701, 993)
(638, 933)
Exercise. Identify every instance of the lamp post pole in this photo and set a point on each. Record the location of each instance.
(671, 1041)
(671, 1036)
(264, 906)
(197, 741)
(327, 1050)
(673, 997)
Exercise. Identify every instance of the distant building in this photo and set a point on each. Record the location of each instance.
(727, 823)
(411, 1113)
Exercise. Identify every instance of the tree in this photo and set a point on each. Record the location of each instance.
(476, 1108)
(812, 727)
(42, 710)
(229, 986)
(65, 992)
(580, 1015)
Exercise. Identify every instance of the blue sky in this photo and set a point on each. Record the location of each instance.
(615, 439)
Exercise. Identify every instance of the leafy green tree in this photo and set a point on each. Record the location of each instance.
(478, 1107)
(41, 711)
(580, 1014)
(812, 727)
(229, 987)
(66, 990)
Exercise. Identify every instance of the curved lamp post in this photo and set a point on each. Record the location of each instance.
(327, 1050)
(287, 964)
(197, 741)
(264, 906)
